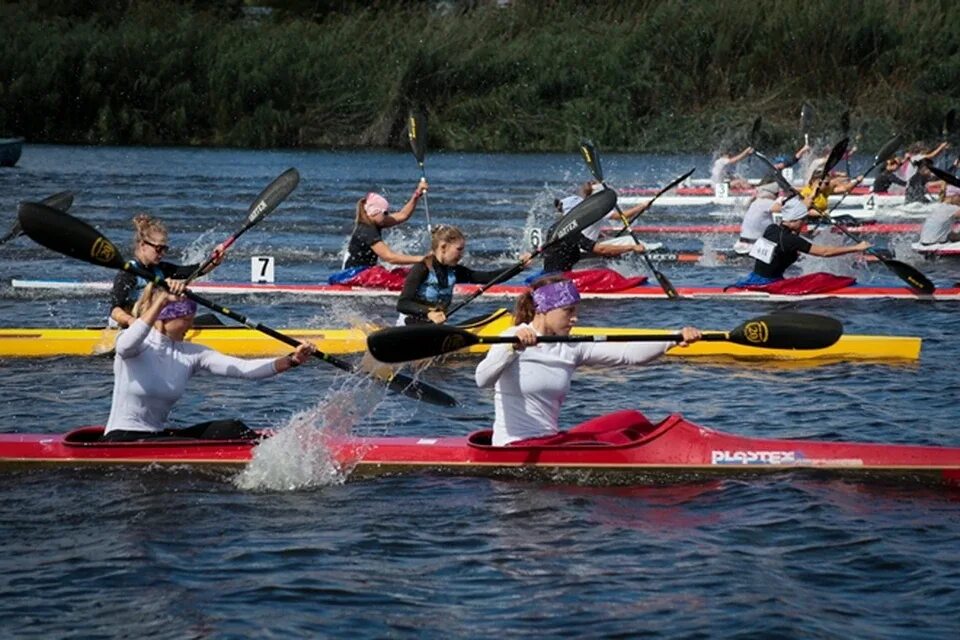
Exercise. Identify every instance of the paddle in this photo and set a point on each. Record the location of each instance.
(949, 130)
(593, 208)
(909, 274)
(752, 138)
(946, 176)
(268, 200)
(806, 122)
(417, 132)
(61, 201)
(592, 158)
(845, 132)
(73, 237)
(774, 331)
(836, 153)
(650, 202)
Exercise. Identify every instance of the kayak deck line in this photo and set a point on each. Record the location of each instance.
(645, 292)
(639, 453)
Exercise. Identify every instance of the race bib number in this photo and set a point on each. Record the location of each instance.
(788, 174)
(870, 203)
(763, 250)
(721, 190)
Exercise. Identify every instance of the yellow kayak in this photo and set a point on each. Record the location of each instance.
(241, 341)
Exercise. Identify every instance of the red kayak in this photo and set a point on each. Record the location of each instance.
(624, 447)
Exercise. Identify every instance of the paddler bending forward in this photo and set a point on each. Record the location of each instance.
(531, 380)
(153, 364)
(781, 246)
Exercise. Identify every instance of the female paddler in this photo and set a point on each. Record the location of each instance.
(150, 245)
(428, 288)
(373, 215)
(531, 380)
(153, 364)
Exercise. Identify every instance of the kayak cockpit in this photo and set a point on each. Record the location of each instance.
(90, 437)
(620, 429)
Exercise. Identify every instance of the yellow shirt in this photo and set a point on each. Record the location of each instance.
(819, 203)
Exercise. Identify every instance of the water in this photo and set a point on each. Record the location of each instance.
(290, 547)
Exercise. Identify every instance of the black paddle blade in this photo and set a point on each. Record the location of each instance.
(70, 236)
(836, 155)
(61, 201)
(755, 130)
(417, 132)
(407, 386)
(949, 124)
(592, 158)
(401, 344)
(274, 193)
(593, 209)
(845, 124)
(788, 331)
(782, 182)
(887, 150)
(946, 176)
(911, 275)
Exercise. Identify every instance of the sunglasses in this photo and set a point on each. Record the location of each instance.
(160, 248)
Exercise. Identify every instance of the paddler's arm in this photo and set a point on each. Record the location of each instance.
(404, 214)
(502, 356)
(826, 251)
(390, 256)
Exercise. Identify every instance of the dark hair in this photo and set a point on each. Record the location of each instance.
(524, 309)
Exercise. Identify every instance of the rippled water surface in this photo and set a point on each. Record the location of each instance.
(290, 547)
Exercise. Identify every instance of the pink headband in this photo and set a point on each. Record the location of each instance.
(375, 203)
(555, 296)
(178, 309)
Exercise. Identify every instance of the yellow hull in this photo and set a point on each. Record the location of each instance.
(240, 341)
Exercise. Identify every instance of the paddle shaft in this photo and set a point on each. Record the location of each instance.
(649, 204)
(710, 336)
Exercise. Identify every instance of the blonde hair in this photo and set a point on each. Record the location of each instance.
(145, 225)
(144, 301)
(525, 310)
(445, 233)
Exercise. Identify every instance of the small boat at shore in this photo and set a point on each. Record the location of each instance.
(10, 150)
(620, 448)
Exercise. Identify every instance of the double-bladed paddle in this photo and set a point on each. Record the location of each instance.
(650, 202)
(61, 201)
(73, 237)
(911, 275)
(592, 158)
(268, 200)
(946, 176)
(754, 133)
(593, 208)
(845, 132)
(417, 132)
(774, 331)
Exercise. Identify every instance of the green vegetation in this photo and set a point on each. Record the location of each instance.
(664, 75)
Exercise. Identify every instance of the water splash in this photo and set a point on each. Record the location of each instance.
(299, 455)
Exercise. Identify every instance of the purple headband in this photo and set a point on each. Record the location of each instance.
(555, 295)
(178, 309)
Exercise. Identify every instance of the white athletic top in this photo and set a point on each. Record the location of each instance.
(530, 385)
(718, 172)
(939, 223)
(150, 373)
(757, 218)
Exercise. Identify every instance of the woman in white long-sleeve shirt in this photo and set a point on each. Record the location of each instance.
(531, 380)
(153, 364)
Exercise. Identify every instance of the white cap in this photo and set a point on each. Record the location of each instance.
(793, 209)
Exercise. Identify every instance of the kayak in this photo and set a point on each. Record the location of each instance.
(241, 341)
(941, 250)
(863, 204)
(628, 449)
(870, 227)
(647, 292)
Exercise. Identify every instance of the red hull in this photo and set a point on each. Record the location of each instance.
(673, 448)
